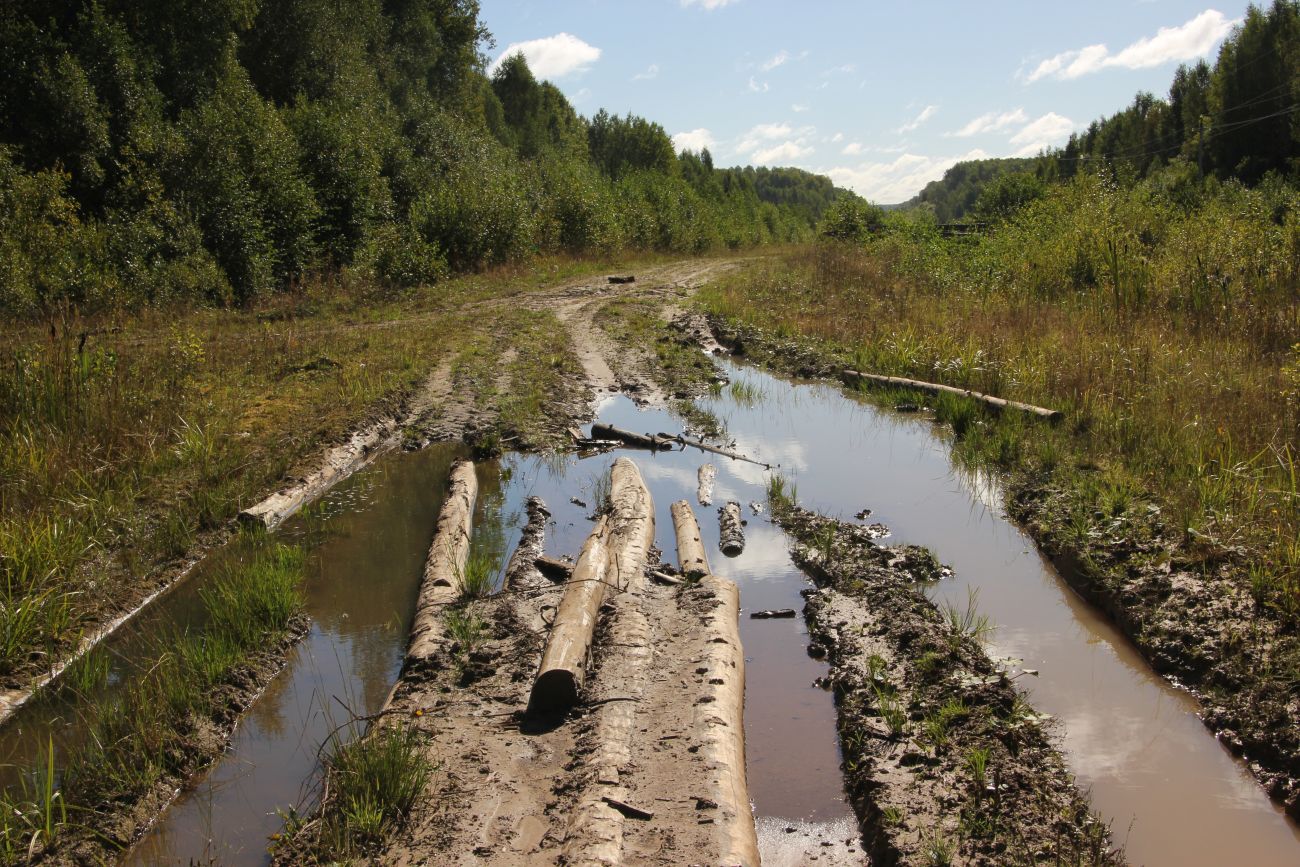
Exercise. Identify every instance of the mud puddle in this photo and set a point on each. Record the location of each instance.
(1173, 794)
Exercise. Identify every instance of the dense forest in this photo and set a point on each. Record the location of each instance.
(1236, 120)
(217, 150)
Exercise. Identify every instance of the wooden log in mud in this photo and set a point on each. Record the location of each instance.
(338, 463)
(705, 447)
(731, 529)
(642, 441)
(613, 558)
(524, 571)
(704, 490)
(445, 564)
(719, 723)
(558, 570)
(999, 403)
(691, 560)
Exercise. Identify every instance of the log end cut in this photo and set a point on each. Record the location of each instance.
(554, 691)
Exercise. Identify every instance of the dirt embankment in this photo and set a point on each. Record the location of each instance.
(945, 762)
(1184, 602)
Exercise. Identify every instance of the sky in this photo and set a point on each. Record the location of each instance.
(880, 96)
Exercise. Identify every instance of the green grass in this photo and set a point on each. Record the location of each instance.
(965, 621)
(373, 782)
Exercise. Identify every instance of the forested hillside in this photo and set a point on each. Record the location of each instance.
(222, 149)
(1236, 120)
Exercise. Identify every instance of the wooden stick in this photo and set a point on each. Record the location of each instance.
(1052, 415)
(445, 564)
(719, 723)
(643, 441)
(731, 529)
(703, 446)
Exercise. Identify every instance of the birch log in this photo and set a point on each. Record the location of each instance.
(446, 562)
(719, 724)
(731, 529)
(704, 491)
(1052, 415)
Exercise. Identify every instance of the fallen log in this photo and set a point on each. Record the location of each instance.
(936, 388)
(622, 278)
(644, 441)
(705, 447)
(719, 723)
(705, 476)
(445, 564)
(772, 613)
(691, 561)
(558, 569)
(731, 529)
(338, 463)
(614, 556)
(523, 572)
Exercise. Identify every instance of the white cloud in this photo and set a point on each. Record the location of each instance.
(837, 138)
(762, 134)
(899, 180)
(553, 56)
(708, 4)
(694, 140)
(757, 86)
(926, 113)
(776, 60)
(1050, 129)
(991, 122)
(1189, 41)
(843, 69)
(852, 149)
(784, 152)
(798, 109)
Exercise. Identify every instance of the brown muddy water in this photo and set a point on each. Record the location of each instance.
(1174, 796)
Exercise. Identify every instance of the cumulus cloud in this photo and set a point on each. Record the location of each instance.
(1048, 130)
(786, 151)
(852, 149)
(798, 109)
(552, 56)
(1189, 41)
(776, 60)
(708, 4)
(694, 140)
(991, 122)
(651, 71)
(837, 138)
(926, 113)
(757, 86)
(760, 135)
(898, 180)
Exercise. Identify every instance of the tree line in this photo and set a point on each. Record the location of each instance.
(218, 150)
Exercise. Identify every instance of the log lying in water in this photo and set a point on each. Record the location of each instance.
(935, 388)
(338, 463)
(719, 724)
(690, 548)
(446, 563)
(614, 556)
(524, 572)
(704, 492)
(731, 529)
(705, 447)
(627, 437)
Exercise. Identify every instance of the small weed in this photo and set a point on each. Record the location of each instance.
(938, 848)
(967, 622)
(929, 664)
(892, 817)
(937, 725)
(745, 393)
(781, 492)
(30, 822)
(466, 629)
(977, 763)
(478, 578)
(374, 782)
(891, 711)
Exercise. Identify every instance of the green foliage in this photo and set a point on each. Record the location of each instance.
(851, 220)
(1006, 194)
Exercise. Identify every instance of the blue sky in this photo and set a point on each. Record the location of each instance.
(880, 96)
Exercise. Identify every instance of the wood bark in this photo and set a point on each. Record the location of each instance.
(731, 529)
(627, 437)
(613, 558)
(720, 709)
(445, 564)
(523, 572)
(704, 490)
(936, 388)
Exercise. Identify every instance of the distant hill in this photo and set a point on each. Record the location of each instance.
(803, 193)
(953, 196)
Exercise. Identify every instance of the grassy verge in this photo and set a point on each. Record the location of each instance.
(128, 440)
(1169, 492)
(138, 740)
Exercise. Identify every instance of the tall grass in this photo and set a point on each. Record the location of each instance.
(1168, 334)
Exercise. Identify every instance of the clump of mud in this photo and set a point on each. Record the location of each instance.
(945, 761)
